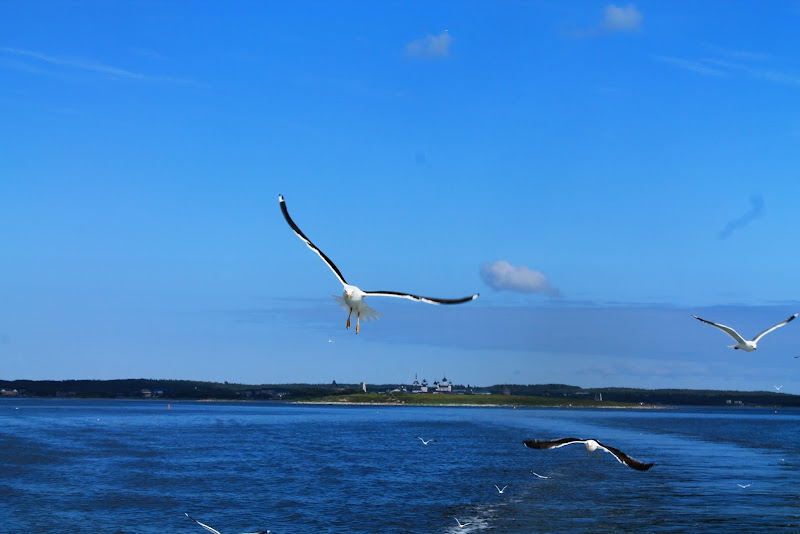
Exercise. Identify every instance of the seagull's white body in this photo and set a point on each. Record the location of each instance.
(591, 446)
(425, 442)
(778, 388)
(500, 491)
(745, 486)
(215, 531)
(742, 343)
(352, 299)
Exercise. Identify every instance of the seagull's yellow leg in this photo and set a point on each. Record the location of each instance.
(348, 319)
(587, 453)
(358, 320)
(597, 455)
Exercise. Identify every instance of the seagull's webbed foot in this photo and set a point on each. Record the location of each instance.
(358, 321)
(348, 319)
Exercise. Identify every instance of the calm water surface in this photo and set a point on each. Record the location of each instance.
(136, 466)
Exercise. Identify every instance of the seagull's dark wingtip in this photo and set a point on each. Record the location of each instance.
(280, 198)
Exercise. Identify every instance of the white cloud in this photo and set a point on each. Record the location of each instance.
(430, 46)
(502, 275)
(622, 19)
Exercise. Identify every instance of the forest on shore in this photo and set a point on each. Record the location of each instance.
(499, 394)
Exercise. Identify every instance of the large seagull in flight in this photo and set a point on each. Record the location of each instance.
(742, 343)
(591, 446)
(352, 298)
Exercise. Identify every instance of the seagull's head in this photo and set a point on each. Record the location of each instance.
(350, 291)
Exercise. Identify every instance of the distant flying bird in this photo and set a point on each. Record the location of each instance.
(500, 491)
(778, 388)
(352, 297)
(745, 486)
(742, 343)
(537, 474)
(426, 442)
(460, 524)
(591, 446)
(215, 531)
(330, 340)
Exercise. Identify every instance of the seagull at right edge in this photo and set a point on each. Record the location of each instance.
(352, 298)
(742, 343)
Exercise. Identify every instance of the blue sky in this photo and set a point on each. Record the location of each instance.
(598, 172)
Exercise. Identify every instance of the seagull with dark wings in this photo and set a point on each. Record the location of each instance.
(352, 298)
(591, 446)
(742, 343)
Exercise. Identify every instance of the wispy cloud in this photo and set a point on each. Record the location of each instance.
(723, 62)
(430, 46)
(698, 67)
(502, 275)
(615, 20)
(756, 211)
(37, 62)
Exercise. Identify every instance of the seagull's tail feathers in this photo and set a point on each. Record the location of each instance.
(734, 347)
(367, 313)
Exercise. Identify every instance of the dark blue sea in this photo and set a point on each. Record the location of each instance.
(136, 466)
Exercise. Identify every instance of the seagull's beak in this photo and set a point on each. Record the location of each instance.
(350, 295)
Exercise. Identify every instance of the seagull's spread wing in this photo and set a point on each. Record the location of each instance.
(537, 474)
(768, 330)
(202, 525)
(625, 459)
(728, 330)
(429, 300)
(308, 242)
(551, 444)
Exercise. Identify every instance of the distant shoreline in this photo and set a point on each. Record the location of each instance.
(533, 395)
(487, 405)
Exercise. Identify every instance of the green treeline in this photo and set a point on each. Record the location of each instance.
(190, 389)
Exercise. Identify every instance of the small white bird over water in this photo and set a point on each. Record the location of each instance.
(537, 474)
(744, 486)
(778, 388)
(426, 442)
(352, 297)
(742, 343)
(500, 491)
(460, 524)
(215, 531)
